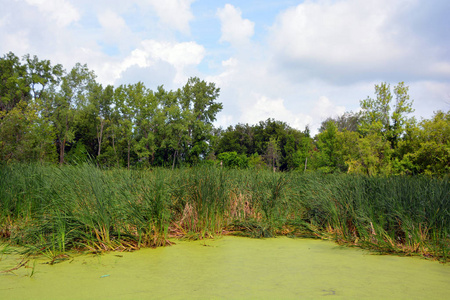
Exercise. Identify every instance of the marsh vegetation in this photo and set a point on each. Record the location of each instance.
(50, 210)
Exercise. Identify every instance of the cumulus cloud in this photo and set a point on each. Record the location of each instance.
(175, 14)
(112, 21)
(17, 42)
(261, 108)
(229, 69)
(252, 93)
(224, 120)
(235, 30)
(351, 38)
(429, 96)
(323, 109)
(160, 73)
(337, 32)
(113, 24)
(179, 55)
(316, 58)
(61, 11)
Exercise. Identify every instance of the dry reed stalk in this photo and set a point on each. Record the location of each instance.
(239, 207)
(19, 265)
(189, 214)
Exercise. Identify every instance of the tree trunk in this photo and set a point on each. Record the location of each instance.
(128, 158)
(114, 147)
(174, 156)
(100, 137)
(62, 145)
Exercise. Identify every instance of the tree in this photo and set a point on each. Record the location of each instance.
(25, 130)
(199, 109)
(41, 74)
(103, 112)
(328, 157)
(272, 155)
(379, 117)
(349, 121)
(147, 122)
(296, 149)
(13, 82)
(239, 138)
(372, 156)
(233, 160)
(126, 106)
(173, 134)
(432, 157)
(403, 106)
(66, 102)
(111, 155)
(95, 117)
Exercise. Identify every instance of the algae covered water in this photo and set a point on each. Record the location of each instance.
(232, 268)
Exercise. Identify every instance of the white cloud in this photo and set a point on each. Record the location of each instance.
(252, 93)
(317, 58)
(323, 109)
(235, 30)
(115, 35)
(231, 62)
(260, 108)
(336, 39)
(429, 96)
(224, 120)
(179, 55)
(175, 14)
(441, 68)
(223, 79)
(112, 22)
(336, 32)
(17, 42)
(61, 11)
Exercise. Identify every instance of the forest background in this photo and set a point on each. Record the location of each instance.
(51, 115)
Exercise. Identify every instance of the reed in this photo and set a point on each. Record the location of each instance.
(51, 210)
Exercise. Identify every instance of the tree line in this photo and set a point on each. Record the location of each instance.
(48, 114)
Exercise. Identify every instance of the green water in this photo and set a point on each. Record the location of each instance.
(232, 268)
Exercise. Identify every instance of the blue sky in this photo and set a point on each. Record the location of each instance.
(295, 61)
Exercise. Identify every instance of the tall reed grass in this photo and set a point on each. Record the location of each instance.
(51, 210)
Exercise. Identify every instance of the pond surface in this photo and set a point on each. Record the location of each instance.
(232, 268)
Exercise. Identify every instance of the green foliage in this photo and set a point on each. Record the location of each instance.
(380, 117)
(387, 141)
(199, 110)
(233, 160)
(328, 158)
(128, 125)
(349, 121)
(372, 157)
(272, 154)
(24, 136)
(77, 154)
(433, 155)
(46, 112)
(13, 82)
(274, 141)
(255, 161)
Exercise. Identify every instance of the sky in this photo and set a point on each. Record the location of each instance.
(295, 61)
